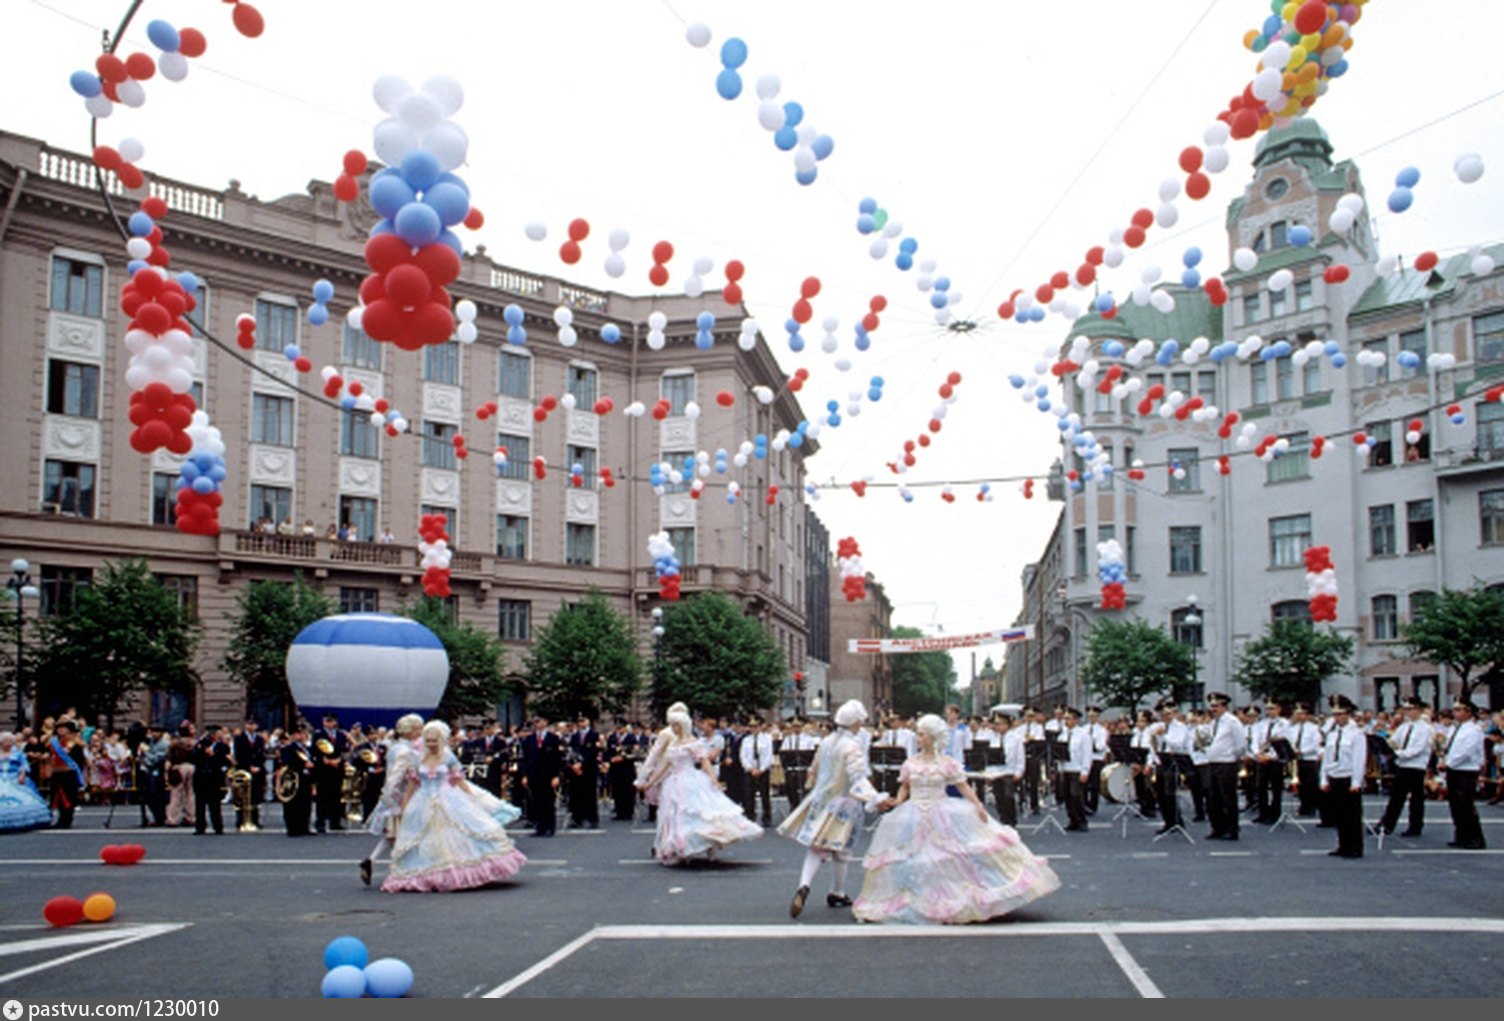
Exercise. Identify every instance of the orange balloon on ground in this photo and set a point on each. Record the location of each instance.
(99, 907)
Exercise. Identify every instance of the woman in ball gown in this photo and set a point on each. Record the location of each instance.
(694, 817)
(452, 835)
(936, 859)
(21, 807)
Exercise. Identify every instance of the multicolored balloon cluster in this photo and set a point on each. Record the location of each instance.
(433, 550)
(1112, 573)
(1321, 583)
(665, 565)
(853, 575)
(1302, 47)
(200, 479)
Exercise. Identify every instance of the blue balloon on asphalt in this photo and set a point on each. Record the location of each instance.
(346, 982)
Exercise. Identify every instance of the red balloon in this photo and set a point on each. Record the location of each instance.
(248, 20)
(1337, 274)
(433, 323)
(878, 303)
(1133, 237)
(870, 322)
(946, 391)
(732, 293)
(407, 285)
(154, 206)
(175, 302)
(1311, 18)
(1190, 159)
(1061, 280)
(810, 287)
(381, 319)
(569, 252)
(658, 276)
(132, 178)
(1244, 123)
(1044, 293)
(725, 398)
(372, 289)
(1085, 273)
(302, 363)
(660, 412)
(383, 251)
(954, 379)
(191, 42)
(663, 252)
(1426, 261)
(112, 69)
(802, 312)
(475, 219)
(1198, 186)
(735, 270)
(440, 262)
(1006, 310)
(1143, 218)
(153, 318)
(934, 425)
(61, 911)
(140, 66)
(355, 163)
(107, 158)
(924, 439)
(1094, 255)
(345, 188)
(579, 230)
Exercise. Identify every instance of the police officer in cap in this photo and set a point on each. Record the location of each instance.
(1411, 742)
(1227, 744)
(1462, 758)
(621, 772)
(330, 746)
(211, 760)
(295, 758)
(249, 750)
(1343, 767)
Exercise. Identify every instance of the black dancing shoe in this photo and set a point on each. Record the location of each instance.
(796, 906)
(837, 900)
(365, 871)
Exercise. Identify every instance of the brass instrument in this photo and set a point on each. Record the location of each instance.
(351, 788)
(324, 746)
(368, 756)
(239, 781)
(1202, 740)
(285, 784)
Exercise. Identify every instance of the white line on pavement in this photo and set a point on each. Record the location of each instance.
(1140, 978)
(144, 932)
(561, 954)
(330, 862)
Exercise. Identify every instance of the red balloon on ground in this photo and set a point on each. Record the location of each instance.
(61, 911)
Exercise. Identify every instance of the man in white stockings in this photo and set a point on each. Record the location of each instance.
(401, 758)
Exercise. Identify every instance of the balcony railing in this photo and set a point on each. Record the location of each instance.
(314, 548)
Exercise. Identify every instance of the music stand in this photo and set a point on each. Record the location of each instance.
(1136, 757)
(1286, 754)
(1177, 762)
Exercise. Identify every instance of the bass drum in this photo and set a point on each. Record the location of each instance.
(1116, 783)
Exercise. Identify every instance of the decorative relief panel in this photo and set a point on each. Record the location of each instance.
(274, 466)
(278, 366)
(582, 506)
(200, 353)
(441, 402)
(441, 487)
(676, 510)
(585, 428)
(676, 433)
(359, 476)
(75, 337)
(514, 497)
(166, 461)
(514, 415)
(70, 439)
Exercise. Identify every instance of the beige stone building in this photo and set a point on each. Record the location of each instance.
(75, 495)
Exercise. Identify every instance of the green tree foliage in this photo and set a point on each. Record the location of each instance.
(1129, 662)
(125, 633)
(476, 661)
(1290, 661)
(715, 659)
(9, 625)
(269, 615)
(922, 681)
(583, 660)
(1463, 629)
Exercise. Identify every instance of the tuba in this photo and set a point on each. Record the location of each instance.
(350, 791)
(239, 781)
(285, 784)
(324, 746)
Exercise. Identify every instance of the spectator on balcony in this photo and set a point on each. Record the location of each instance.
(346, 533)
(284, 527)
(268, 526)
(333, 534)
(309, 529)
(386, 534)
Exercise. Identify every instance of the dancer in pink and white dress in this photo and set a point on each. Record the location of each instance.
(936, 859)
(694, 817)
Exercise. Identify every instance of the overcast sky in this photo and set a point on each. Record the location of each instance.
(1005, 137)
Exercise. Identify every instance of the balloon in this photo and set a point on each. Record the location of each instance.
(63, 911)
(728, 84)
(1245, 259)
(99, 907)
(449, 201)
(388, 978)
(1400, 200)
(1468, 167)
(346, 950)
(1407, 178)
(345, 982)
(698, 35)
(247, 19)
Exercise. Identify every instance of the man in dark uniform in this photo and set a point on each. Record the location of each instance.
(65, 754)
(733, 773)
(757, 758)
(493, 751)
(585, 778)
(330, 746)
(620, 771)
(151, 760)
(542, 756)
(249, 750)
(295, 758)
(211, 759)
(369, 759)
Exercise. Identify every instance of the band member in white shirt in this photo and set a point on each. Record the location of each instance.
(1228, 743)
(1305, 741)
(1098, 734)
(1411, 742)
(757, 764)
(1005, 787)
(1035, 740)
(1076, 769)
(1269, 767)
(1462, 758)
(1170, 740)
(1343, 766)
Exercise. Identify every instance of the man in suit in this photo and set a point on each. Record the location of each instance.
(1305, 742)
(211, 760)
(733, 773)
(1098, 732)
(249, 752)
(757, 764)
(295, 758)
(1462, 758)
(621, 772)
(330, 747)
(585, 779)
(1411, 742)
(1005, 787)
(493, 753)
(542, 758)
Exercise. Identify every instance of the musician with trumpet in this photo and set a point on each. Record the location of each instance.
(211, 760)
(293, 783)
(330, 746)
(1225, 744)
(369, 759)
(1170, 744)
(1270, 736)
(1411, 742)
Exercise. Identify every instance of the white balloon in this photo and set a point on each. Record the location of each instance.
(465, 310)
(804, 159)
(131, 93)
(657, 321)
(448, 143)
(1280, 280)
(1169, 189)
(1216, 133)
(567, 336)
(691, 410)
(619, 239)
(563, 316)
(174, 66)
(389, 90)
(131, 150)
(1387, 265)
(694, 286)
(137, 341)
(634, 410)
(829, 344)
(878, 249)
(703, 264)
(179, 381)
(1112, 256)
(138, 248)
(1141, 294)
(1483, 265)
(1352, 201)
(393, 140)
(178, 342)
(137, 376)
(568, 402)
(1167, 215)
(615, 265)
(1468, 167)
(418, 111)
(770, 114)
(1215, 159)
(1341, 221)
(1245, 259)
(1267, 84)
(656, 340)
(446, 92)
(747, 341)
(892, 229)
(1163, 301)
(698, 35)
(466, 333)
(768, 86)
(535, 231)
(156, 357)
(1276, 55)
(355, 316)
(99, 106)
(806, 134)
(1150, 274)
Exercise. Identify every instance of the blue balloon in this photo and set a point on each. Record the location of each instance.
(1104, 302)
(1113, 349)
(796, 440)
(163, 36)
(218, 474)
(904, 261)
(318, 315)
(1407, 178)
(388, 978)
(452, 240)
(806, 177)
(728, 83)
(203, 484)
(823, 146)
(1042, 390)
(874, 394)
(1337, 70)
(942, 284)
(796, 343)
(389, 193)
(1190, 279)
(863, 339)
(1281, 349)
(513, 314)
(450, 177)
(1043, 404)
(1272, 25)
(1300, 235)
(516, 335)
(85, 84)
(793, 113)
(832, 405)
(1268, 354)
(347, 402)
(833, 420)
(421, 170)
(785, 138)
(908, 245)
(1331, 347)
(611, 333)
(938, 299)
(866, 223)
(417, 224)
(450, 202)
(1017, 381)
(346, 950)
(705, 320)
(345, 982)
(1036, 314)
(323, 290)
(760, 440)
(189, 470)
(382, 227)
(867, 205)
(136, 265)
(1409, 359)
(188, 282)
(140, 224)
(1400, 199)
(1339, 360)
(292, 352)
(733, 52)
(704, 340)
(1192, 256)
(877, 381)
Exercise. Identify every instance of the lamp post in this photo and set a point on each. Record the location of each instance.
(657, 634)
(1192, 624)
(20, 587)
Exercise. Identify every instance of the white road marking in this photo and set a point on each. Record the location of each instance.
(1140, 978)
(1449, 850)
(279, 862)
(132, 935)
(1230, 854)
(1151, 854)
(561, 954)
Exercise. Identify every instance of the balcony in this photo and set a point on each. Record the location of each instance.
(1469, 461)
(314, 550)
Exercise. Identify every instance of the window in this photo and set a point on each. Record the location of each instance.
(359, 350)
(1185, 549)
(1131, 553)
(684, 545)
(582, 385)
(359, 512)
(1491, 515)
(684, 462)
(1490, 419)
(164, 498)
(358, 437)
(1279, 234)
(1488, 337)
(68, 488)
(519, 455)
(441, 363)
(276, 325)
(1296, 610)
(1311, 377)
(1375, 374)
(1294, 463)
(1421, 603)
(1420, 526)
(514, 620)
(72, 389)
(1258, 383)
(1276, 188)
(678, 390)
(1386, 618)
(1284, 379)
(1288, 539)
(514, 374)
(1206, 386)
(451, 520)
(1305, 295)
(1414, 341)
(184, 589)
(1181, 381)
(1381, 531)
(1188, 458)
(579, 545)
(271, 420)
(1252, 307)
(438, 444)
(269, 503)
(198, 315)
(77, 287)
(1279, 303)
(1080, 538)
(60, 586)
(1104, 473)
(585, 458)
(1381, 454)
(358, 600)
(1186, 634)
(511, 537)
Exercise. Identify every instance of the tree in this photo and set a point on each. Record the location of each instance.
(476, 661)
(584, 660)
(921, 680)
(1464, 630)
(1129, 661)
(125, 633)
(1290, 660)
(715, 659)
(270, 615)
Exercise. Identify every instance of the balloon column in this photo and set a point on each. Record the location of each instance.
(1112, 572)
(1321, 583)
(435, 556)
(853, 576)
(201, 478)
(665, 565)
(160, 372)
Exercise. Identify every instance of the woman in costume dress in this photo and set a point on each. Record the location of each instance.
(21, 807)
(452, 835)
(936, 859)
(694, 817)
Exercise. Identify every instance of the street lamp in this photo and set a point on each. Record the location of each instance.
(1192, 624)
(20, 587)
(657, 633)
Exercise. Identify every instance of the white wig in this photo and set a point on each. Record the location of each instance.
(438, 727)
(409, 725)
(679, 718)
(851, 712)
(935, 728)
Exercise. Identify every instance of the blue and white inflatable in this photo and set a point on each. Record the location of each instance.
(367, 668)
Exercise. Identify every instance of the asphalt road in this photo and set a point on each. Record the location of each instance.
(593, 915)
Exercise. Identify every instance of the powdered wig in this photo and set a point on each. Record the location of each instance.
(679, 719)
(935, 729)
(851, 712)
(409, 725)
(438, 727)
